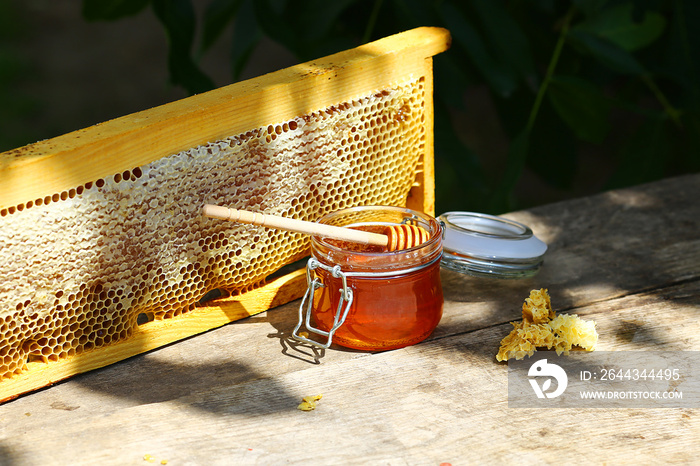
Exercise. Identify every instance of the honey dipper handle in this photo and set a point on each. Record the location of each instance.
(298, 226)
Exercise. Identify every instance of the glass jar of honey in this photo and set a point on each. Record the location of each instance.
(366, 297)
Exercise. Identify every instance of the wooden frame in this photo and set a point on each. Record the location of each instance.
(56, 165)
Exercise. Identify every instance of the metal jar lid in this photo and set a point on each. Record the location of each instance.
(489, 246)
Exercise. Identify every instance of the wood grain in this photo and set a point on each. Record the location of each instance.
(56, 166)
(442, 401)
(83, 156)
(626, 259)
(297, 226)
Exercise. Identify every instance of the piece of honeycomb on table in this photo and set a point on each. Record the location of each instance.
(541, 327)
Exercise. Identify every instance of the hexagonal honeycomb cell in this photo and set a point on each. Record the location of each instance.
(105, 251)
(82, 265)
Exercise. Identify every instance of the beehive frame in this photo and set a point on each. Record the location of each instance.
(352, 128)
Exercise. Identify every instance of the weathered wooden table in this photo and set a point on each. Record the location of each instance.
(628, 259)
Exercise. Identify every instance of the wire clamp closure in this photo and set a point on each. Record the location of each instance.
(313, 283)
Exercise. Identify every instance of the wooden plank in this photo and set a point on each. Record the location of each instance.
(474, 303)
(51, 168)
(206, 400)
(599, 247)
(492, 302)
(446, 403)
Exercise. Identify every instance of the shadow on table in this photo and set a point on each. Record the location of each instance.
(600, 248)
(284, 323)
(8, 456)
(226, 387)
(639, 241)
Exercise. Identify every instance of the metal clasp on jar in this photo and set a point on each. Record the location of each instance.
(307, 303)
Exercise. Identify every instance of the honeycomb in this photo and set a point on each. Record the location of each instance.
(85, 267)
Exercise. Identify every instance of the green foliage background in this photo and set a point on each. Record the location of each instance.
(618, 78)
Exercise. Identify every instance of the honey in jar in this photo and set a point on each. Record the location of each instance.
(365, 297)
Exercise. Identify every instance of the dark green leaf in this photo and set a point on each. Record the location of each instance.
(682, 58)
(305, 28)
(514, 112)
(644, 156)
(108, 10)
(582, 106)
(178, 18)
(510, 44)
(316, 17)
(271, 20)
(617, 25)
(517, 158)
(13, 23)
(589, 7)
(607, 53)
(459, 176)
(217, 16)
(690, 148)
(553, 151)
(499, 79)
(246, 35)
(416, 12)
(450, 81)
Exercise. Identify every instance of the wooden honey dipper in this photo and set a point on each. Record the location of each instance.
(394, 237)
